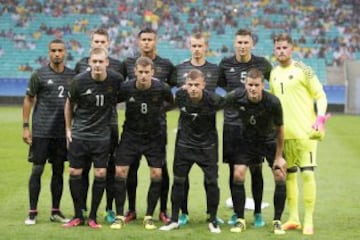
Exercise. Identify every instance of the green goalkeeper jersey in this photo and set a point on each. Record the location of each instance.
(298, 87)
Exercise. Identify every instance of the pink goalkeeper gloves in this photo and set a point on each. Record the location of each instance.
(318, 128)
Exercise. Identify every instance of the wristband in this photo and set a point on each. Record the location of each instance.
(25, 125)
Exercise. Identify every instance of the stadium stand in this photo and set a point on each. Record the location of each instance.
(324, 34)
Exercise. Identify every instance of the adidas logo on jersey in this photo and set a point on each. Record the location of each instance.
(232, 69)
(131, 99)
(183, 109)
(87, 92)
(242, 108)
(50, 81)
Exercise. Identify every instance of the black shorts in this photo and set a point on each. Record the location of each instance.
(251, 153)
(232, 137)
(51, 149)
(81, 152)
(206, 159)
(132, 146)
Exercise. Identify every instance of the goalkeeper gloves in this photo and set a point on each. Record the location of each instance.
(318, 128)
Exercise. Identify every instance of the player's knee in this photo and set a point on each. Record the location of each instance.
(37, 170)
(121, 171)
(279, 173)
(307, 176)
(239, 176)
(156, 173)
(75, 172)
(100, 172)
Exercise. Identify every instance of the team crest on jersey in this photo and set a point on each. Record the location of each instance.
(131, 99)
(242, 108)
(50, 81)
(155, 99)
(88, 69)
(208, 75)
(158, 70)
(183, 109)
(232, 69)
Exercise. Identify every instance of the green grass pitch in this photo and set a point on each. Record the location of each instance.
(337, 209)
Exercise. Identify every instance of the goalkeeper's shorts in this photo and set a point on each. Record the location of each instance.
(300, 153)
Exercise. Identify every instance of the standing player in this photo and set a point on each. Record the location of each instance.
(163, 70)
(100, 39)
(49, 85)
(262, 136)
(91, 99)
(198, 48)
(297, 87)
(196, 142)
(233, 72)
(142, 135)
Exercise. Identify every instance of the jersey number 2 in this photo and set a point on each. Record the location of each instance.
(61, 91)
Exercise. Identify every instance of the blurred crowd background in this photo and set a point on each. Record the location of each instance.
(326, 32)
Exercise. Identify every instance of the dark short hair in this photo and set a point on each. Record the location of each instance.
(100, 31)
(244, 32)
(144, 61)
(254, 73)
(56, 41)
(146, 30)
(283, 37)
(194, 74)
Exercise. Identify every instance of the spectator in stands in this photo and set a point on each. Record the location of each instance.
(25, 68)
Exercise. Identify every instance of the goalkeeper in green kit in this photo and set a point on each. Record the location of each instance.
(297, 87)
